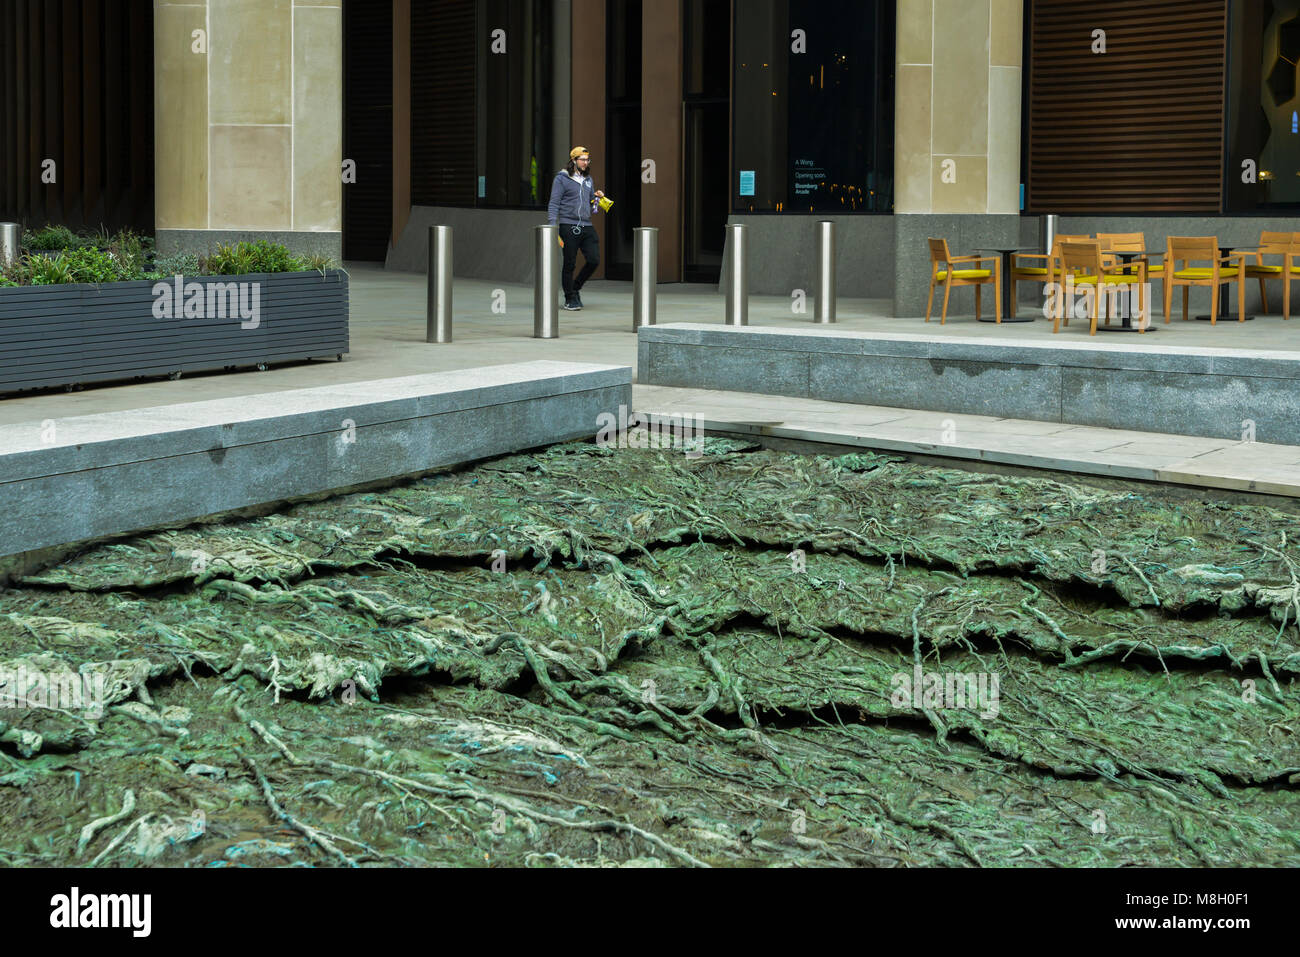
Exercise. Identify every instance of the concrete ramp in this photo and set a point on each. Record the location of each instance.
(85, 477)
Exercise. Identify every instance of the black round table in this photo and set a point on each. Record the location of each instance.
(1008, 287)
(1126, 322)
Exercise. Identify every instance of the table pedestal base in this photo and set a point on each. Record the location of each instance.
(1124, 327)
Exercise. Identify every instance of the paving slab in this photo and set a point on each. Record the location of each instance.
(1205, 462)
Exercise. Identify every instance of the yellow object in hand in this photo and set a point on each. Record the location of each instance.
(605, 203)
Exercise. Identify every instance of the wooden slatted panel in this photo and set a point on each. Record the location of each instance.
(10, 149)
(76, 87)
(93, 116)
(140, 163)
(1138, 128)
(35, 100)
(443, 104)
(73, 157)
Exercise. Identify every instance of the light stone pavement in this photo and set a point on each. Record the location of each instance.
(388, 329)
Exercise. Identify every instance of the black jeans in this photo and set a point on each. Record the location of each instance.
(588, 242)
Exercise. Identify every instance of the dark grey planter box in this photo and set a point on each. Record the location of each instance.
(69, 334)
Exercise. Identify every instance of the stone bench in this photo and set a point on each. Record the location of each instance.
(85, 477)
(1181, 390)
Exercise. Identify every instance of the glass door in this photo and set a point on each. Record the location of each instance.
(622, 167)
(706, 143)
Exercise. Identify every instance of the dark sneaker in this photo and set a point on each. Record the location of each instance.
(577, 297)
(573, 305)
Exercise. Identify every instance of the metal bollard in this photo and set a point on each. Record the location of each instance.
(737, 276)
(825, 272)
(11, 242)
(1048, 230)
(645, 275)
(546, 318)
(440, 281)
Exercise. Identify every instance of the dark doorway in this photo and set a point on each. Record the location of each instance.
(623, 132)
(706, 106)
(368, 129)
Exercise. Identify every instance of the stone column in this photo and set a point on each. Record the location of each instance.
(248, 124)
(956, 133)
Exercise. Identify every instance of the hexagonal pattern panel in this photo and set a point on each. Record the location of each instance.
(1282, 78)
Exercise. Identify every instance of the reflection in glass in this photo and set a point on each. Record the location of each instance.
(1263, 107)
(814, 129)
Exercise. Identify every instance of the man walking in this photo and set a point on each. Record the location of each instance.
(574, 199)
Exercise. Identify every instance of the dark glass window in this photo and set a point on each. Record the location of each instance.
(1263, 107)
(706, 96)
(483, 122)
(516, 147)
(814, 130)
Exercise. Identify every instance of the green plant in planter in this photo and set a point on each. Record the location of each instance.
(97, 238)
(319, 262)
(228, 261)
(181, 264)
(256, 257)
(50, 270)
(132, 252)
(52, 238)
(15, 272)
(91, 265)
(88, 265)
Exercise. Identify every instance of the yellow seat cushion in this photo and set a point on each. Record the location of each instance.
(966, 274)
(1116, 278)
(1155, 270)
(1204, 272)
(1268, 270)
(1030, 271)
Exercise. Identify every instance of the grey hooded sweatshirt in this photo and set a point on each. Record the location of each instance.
(572, 204)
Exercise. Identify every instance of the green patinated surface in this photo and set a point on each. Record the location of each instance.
(603, 657)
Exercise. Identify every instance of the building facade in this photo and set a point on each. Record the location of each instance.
(349, 126)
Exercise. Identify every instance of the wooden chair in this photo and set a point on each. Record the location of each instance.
(1083, 262)
(1275, 244)
(1112, 243)
(1193, 249)
(1041, 274)
(1073, 275)
(942, 271)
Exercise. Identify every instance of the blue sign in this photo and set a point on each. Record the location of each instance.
(746, 182)
(482, 187)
